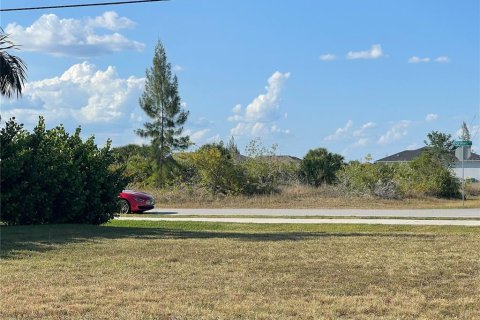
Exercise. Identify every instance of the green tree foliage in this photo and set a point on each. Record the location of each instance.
(428, 175)
(50, 176)
(369, 179)
(320, 166)
(137, 163)
(12, 69)
(217, 170)
(161, 102)
(263, 170)
(424, 176)
(440, 146)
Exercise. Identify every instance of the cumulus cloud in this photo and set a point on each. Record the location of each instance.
(111, 21)
(340, 133)
(442, 59)
(431, 117)
(362, 131)
(415, 59)
(196, 136)
(83, 93)
(362, 142)
(396, 132)
(260, 116)
(375, 52)
(328, 57)
(73, 37)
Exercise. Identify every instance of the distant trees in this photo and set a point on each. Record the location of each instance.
(440, 146)
(320, 167)
(12, 69)
(162, 104)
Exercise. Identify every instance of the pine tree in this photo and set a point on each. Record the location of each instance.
(465, 132)
(162, 104)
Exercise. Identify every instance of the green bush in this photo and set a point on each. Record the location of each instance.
(320, 166)
(424, 176)
(263, 170)
(428, 175)
(217, 171)
(49, 176)
(370, 179)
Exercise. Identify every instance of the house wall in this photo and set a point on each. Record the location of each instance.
(472, 169)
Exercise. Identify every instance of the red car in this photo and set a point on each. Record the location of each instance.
(134, 201)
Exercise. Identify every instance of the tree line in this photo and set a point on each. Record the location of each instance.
(51, 176)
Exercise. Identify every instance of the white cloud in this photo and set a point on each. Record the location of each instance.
(255, 129)
(442, 59)
(412, 146)
(111, 21)
(265, 107)
(196, 136)
(396, 132)
(213, 139)
(73, 37)
(362, 142)
(260, 116)
(431, 117)
(340, 133)
(237, 109)
(328, 57)
(177, 68)
(83, 93)
(375, 52)
(415, 59)
(361, 132)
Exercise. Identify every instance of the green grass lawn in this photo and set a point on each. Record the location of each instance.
(188, 270)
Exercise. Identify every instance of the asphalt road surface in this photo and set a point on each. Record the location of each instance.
(376, 216)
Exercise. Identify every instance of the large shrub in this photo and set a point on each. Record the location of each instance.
(263, 170)
(428, 175)
(370, 179)
(50, 176)
(320, 166)
(217, 170)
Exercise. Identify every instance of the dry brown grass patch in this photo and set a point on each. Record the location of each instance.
(298, 196)
(168, 273)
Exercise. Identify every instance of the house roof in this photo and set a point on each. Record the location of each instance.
(409, 155)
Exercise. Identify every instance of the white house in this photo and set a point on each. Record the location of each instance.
(471, 165)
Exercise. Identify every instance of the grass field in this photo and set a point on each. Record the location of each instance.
(180, 270)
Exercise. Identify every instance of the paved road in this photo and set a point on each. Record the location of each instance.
(407, 213)
(316, 221)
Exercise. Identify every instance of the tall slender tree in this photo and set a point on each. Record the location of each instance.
(12, 68)
(465, 135)
(162, 104)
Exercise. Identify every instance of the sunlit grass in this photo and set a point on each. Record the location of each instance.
(184, 270)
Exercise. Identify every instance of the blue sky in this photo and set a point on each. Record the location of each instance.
(355, 77)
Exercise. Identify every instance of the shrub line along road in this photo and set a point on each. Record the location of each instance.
(408, 214)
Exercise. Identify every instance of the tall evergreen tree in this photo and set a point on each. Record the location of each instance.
(465, 132)
(162, 104)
